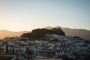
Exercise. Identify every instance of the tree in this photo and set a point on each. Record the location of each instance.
(13, 51)
(41, 33)
(10, 50)
(2, 57)
(7, 48)
(30, 52)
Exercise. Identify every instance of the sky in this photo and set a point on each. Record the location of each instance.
(25, 15)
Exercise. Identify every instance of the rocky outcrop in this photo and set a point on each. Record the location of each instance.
(40, 33)
(59, 31)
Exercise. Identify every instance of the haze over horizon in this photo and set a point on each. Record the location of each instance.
(44, 27)
(68, 32)
(21, 15)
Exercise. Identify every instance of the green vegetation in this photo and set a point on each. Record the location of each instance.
(30, 52)
(37, 34)
(23, 40)
(5, 58)
(2, 58)
(10, 50)
(87, 42)
(40, 33)
(55, 40)
(13, 51)
(7, 48)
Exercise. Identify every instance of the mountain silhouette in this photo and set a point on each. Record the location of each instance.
(6, 33)
(74, 32)
(41, 33)
(68, 32)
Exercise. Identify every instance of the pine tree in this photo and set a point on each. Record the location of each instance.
(10, 50)
(7, 48)
(13, 50)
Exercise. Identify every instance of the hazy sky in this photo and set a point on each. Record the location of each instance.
(19, 15)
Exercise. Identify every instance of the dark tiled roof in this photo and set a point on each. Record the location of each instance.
(11, 45)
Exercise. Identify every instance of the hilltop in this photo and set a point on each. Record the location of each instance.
(40, 33)
(68, 32)
(74, 32)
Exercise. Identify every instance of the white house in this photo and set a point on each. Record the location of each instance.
(40, 57)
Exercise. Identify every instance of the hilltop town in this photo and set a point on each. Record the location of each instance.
(55, 46)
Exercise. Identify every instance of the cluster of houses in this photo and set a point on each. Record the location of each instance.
(53, 46)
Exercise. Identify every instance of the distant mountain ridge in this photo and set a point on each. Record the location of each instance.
(74, 32)
(68, 32)
(6, 33)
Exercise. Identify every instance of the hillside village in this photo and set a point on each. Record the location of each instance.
(55, 46)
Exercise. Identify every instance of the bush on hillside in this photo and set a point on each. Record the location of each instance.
(40, 33)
